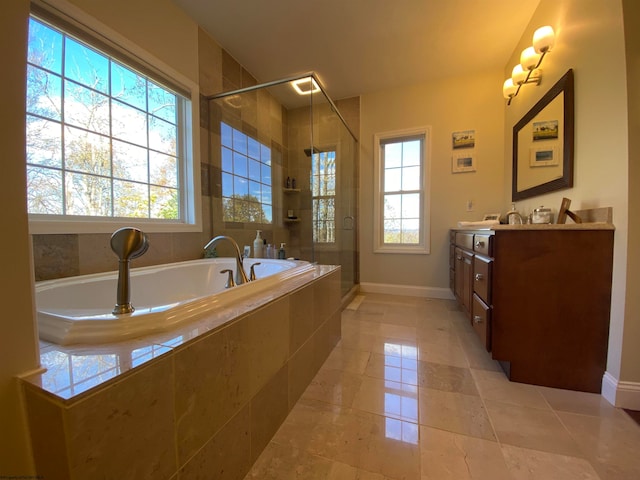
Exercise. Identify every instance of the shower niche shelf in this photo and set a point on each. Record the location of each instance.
(291, 190)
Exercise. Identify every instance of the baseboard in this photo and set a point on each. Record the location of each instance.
(621, 394)
(408, 290)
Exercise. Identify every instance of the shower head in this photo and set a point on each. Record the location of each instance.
(307, 151)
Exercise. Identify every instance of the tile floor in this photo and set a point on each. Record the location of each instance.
(409, 393)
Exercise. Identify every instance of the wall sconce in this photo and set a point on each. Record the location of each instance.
(527, 70)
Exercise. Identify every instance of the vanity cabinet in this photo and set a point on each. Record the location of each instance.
(541, 298)
(472, 279)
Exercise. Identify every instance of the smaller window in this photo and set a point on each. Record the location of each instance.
(246, 178)
(323, 191)
(401, 209)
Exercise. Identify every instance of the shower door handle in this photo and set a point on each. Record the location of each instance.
(347, 222)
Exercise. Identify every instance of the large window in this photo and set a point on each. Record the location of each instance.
(103, 141)
(401, 208)
(323, 193)
(246, 178)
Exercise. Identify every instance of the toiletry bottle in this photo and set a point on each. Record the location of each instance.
(281, 253)
(288, 184)
(269, 251)
(258, 245)
(293, 182)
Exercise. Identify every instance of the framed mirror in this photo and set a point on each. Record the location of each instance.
(543, 144)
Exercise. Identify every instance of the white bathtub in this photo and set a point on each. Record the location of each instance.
(78, 309)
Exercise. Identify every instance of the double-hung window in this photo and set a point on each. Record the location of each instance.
(105, 141)
(401, 208)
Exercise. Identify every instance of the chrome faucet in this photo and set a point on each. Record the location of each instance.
(241, 276)
(127, 243)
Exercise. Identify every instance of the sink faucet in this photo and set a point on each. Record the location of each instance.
(127, 243)
(241, 276)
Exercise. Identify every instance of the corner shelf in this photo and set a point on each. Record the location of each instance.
(291, 190)
(291, 220)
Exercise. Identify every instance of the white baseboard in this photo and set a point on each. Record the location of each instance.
(408, 290)
(621, 394)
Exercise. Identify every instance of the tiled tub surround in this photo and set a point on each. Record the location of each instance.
(202, 402)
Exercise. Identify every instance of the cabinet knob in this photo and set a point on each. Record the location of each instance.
(479, 277)
(459, 257)
(480, 243)
(477, 319)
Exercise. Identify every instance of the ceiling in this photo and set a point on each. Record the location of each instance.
(363, 46)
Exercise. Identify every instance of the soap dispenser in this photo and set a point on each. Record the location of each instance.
(258, 245)
(281, 253)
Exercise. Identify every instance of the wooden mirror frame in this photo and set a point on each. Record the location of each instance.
(565, 84)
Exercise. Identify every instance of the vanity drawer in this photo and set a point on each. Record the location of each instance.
(482, 277)
(481, 321)
(482, 244)
(464, 240)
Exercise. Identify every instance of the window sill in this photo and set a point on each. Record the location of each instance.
(44, 227)
(412, 250)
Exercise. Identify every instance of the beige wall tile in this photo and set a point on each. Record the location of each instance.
(301, 318)
(267, 341)
(227, 455)
(125, 431)
(302, 368)
(269, 408)
(47, 435)
(217, 363)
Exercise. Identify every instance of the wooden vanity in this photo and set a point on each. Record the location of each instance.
(539, 298)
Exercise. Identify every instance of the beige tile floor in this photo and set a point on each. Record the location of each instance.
(409, 393)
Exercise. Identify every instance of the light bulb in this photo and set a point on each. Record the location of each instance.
(529, 58)
(518, 75)
(543, 39)
(508, 89)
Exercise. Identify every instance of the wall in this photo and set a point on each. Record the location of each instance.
(590, 40)
(17, 332)
(448, 105)
(630, 357)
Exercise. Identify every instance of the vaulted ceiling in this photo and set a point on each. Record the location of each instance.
(363, 46)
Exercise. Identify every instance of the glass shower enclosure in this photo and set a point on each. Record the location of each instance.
(284, 161)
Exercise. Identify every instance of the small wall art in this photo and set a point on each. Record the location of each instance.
(543, 156)
(462, 162)
(465, 139)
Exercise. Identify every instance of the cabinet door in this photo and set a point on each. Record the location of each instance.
(482, 278)
(467, 279)
(481, 321)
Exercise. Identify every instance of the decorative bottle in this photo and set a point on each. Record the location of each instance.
(258, 245)
(281, 253)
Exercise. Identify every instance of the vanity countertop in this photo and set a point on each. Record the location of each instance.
(540, 226)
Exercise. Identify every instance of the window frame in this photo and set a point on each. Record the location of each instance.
(424, 246)
(77, 24)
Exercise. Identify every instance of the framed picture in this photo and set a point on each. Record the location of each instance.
(547, 130)
(466, 139)
(463, 162)
(543, 156)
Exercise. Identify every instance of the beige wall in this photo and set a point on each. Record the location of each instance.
(17, 332)
(450, 105)
(630, 358)
(590, 40)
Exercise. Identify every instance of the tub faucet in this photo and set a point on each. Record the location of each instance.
(241, 276)
(127, 243)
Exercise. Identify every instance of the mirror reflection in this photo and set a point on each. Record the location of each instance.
(543, 144)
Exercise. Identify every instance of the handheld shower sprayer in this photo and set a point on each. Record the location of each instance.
(127, 243)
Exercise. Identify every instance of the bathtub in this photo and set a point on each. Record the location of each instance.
(78, 309)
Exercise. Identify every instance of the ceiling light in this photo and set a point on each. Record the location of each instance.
(305, 86)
